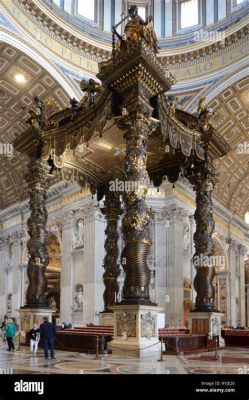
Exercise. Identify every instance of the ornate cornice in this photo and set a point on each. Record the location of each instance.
(174, 213)
(208, 52)
(72, 41)
(96, 50)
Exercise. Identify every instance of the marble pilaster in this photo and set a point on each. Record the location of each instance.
(233, 277)
(174, 217)
(66, 268)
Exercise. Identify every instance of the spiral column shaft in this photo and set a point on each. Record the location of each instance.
(203, 181)
(112, 211)
(137, 215)
(38, 256)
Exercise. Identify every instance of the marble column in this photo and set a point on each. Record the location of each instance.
(3, 281)
(242, 253)
(174, 217)
(16, 292)
(112, 210)
(247, 304)
(233, 266)
(24, 282)
(161, 252)
(66, 267)
(93, 261)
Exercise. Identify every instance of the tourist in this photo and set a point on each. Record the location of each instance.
(47, 332)
(34, 335)
(10, 333)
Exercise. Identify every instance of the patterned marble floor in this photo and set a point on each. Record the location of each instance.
(22, 362)
(229, 361)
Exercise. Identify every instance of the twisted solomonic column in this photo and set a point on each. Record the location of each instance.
(38, 259)
(203, 180)
(137, 215)
(112, 210)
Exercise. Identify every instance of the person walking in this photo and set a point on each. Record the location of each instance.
(47, 332)
(34, 335)
(10, 333)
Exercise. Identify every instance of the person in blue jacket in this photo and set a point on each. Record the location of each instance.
(10, 333)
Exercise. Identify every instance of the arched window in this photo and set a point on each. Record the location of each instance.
(68, 6)
(142, 12)
(188, 13)
(86, 9)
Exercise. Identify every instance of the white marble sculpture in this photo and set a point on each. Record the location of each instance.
(78, 240)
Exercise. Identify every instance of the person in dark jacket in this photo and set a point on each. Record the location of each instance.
(47, 332)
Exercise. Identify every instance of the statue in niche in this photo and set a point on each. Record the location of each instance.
(78, 240)
(78, 298)
(186, 237)
(9, 303)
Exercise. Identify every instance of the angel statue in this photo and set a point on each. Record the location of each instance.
(91, 88)
(136, 30)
